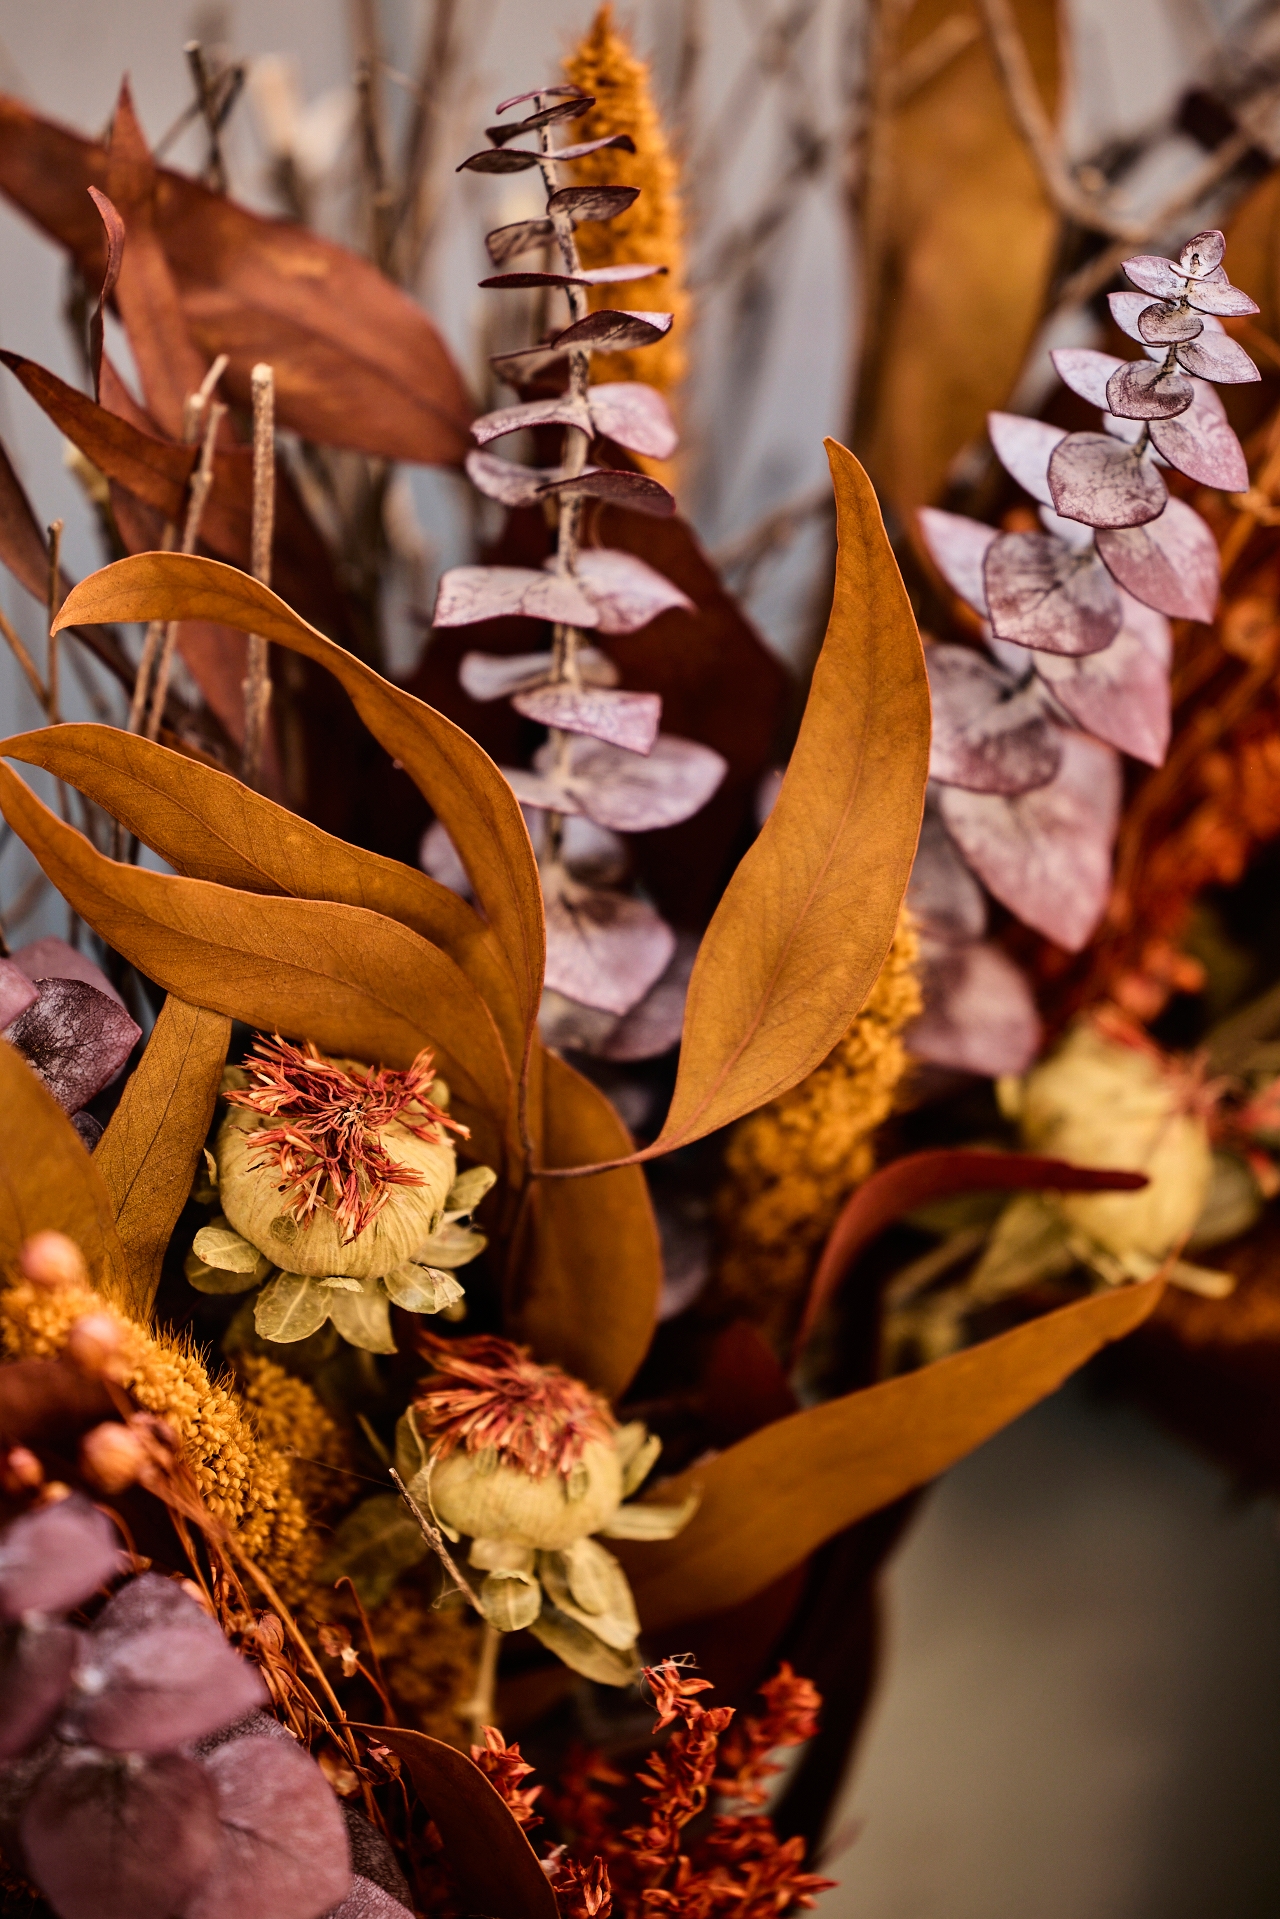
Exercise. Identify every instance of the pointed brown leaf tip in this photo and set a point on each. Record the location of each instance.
(988, 735)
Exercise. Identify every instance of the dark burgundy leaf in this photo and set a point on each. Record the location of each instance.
(620, 142)
(499, 160)
(1221, 298)
(603, 949)
(592, 203)
(1120, 695)
(629, 720)
(636, 491)
(589, 277)
(571, 109)
(1101, 482)
(506, 480)
(539, 93)
(470, 593)
(958, 547)
(17, 992)
(1216, 356)
(562, 411)
(1168, 320)
(1086, 372)
(1201, 444)
(36, 1663)
(979, 1011)
(1023, 448)
(368, 1901)
(505, 243)
(1156, 276)
(107, 1838)
(621, 790)
(625, 591)
(1125, 309)
(283, 1852)
(372, 1856)
(611, 330)
(1203, 253)
(1144, 390)
(1044, 594)
(75, 1038)
(634, 415)
(1046, 855)
(53, 1558)
(1172, 564)
(988, 735)
(943, 897)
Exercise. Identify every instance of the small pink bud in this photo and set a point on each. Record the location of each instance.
(111, 1457)
(93, 1344)
(22, 1471)
(51, 1259)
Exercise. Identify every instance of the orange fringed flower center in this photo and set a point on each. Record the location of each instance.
(487, 1393)
(328, 1147)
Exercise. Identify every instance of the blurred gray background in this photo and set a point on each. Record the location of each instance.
(1080, 1712)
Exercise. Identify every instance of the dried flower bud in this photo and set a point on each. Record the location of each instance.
(51, 1259)
(53, 1492)
(94, 1343)
(111, 1457)
(22, 1471)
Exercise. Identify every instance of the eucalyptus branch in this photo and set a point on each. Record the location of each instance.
(201, 482)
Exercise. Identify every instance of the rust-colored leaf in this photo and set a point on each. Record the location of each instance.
(776, 1496)
(48, 1180)
(456, 776)
(155, 471)
(147, 1157)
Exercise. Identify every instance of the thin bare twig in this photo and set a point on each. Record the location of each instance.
(216, 94)
(257, 685)
(202, 481)
(24, 659)
(54, 602)
(435, 1539)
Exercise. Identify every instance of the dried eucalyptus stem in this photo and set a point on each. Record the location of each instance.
(201, 482)
(54, 604)
(257, 685)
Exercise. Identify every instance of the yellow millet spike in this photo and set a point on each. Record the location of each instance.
(791, 1165)
(604, 66)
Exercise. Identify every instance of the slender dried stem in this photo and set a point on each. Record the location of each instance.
(435, 1539)
(24, 660)
(479, 1709)
(216, 94)
(201, 483)
(54, 605)
(257, 685)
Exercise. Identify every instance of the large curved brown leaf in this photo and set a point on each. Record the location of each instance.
(457, 778)
(776, 1496)
(148, 1155)
(492, 1863)
(48, 1180)
(153, 470)
(351, 980)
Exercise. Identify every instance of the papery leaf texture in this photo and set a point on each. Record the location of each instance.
(1155, 275)
(1202, 253)
(55, 1557)
(36, 1663)
(1086, 372)
(1215, 356)
(979, 1011)
(635, 491)
(1220, 299)
(283, 1850)
(1023, 448)
(1144, 390)
(470, 593)
(958, 547)
(1168, 320)
(75, 1038)
(1120, 695)
(988, 734)
(1045, 594)
(626, 592)
(627, 720)
(1171, 565)
(1101, 482)
(634, 415)
(561, 411)
(604, 949)
(1201, 443)
(628, 792)
(614, 330)
(943, 898)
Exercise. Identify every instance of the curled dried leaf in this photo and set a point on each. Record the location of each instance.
(470, 593)
(1145, 390)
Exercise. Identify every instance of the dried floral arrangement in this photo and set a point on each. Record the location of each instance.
(364, 1411)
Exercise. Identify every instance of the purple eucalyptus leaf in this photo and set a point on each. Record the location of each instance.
(75, 1038)
(613, 329)
(36, 1663)
(1141, 390)
(55, 1557)
(499, 160)
(1023, 448)
(603, 949)
(1202, 255)
(943, 898)
(622, 272)
(1130, 431)
(1156, 276)
(1077, 536)
(654, 1025)
(1122, 694)
(571, 109)
(562, 411)
(496, 676)
(635, 415)
(588, 852)
(589, 277)
(1216, 356)
(283, 1852)
(539, 791)
(507, 243)
(619, 142)
(108, 1838)
(1220, 298)
(626, 592)
(629, 793)
(1168, 320)
(540, 93)
(592, 203)
(1125, 309)
(988, 735)
(1101, 482)
(470, 593)
(508, 481)
(1046, 855)
(636, 491)
(1171, 565)
(17, 992)
(1201, 444)
(629, 720)
(958, 547)
(1044, 594)
(368, 1901)
(1086, 371)
(979, 1011)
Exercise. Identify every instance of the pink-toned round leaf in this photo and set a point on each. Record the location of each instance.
(1023, 448)
(1125, 309)
(110, 1840)
(631, 794)
(1046, 855)
(629, 720)
(1101, 482)
(1202, 255)
(1155, 275)
(560, 411)
(507, 481)
(1202, 445)
(507, 243)
(1077, 536)
(635, 491)
(283, 1850)
(979, 1011)
(75, 1038)
(1086, 371)
(539, 791)
(470, 593)
(626, 592)
(592, 203)
(613, 331)
(988, 735)
(1044, 594)
(943, 898)
(1142, 390)
(1168, 320)
(496, 676)
(1221, 298)
(635, 415)
(1120, 695)
(17, 992)
(1216, 356)
(604, 949)
(654, 1024)
(1172, 564)
(36, 1663)
(55, 1557)
(958, 546)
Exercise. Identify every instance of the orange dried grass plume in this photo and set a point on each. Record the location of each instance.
(485, 1393)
